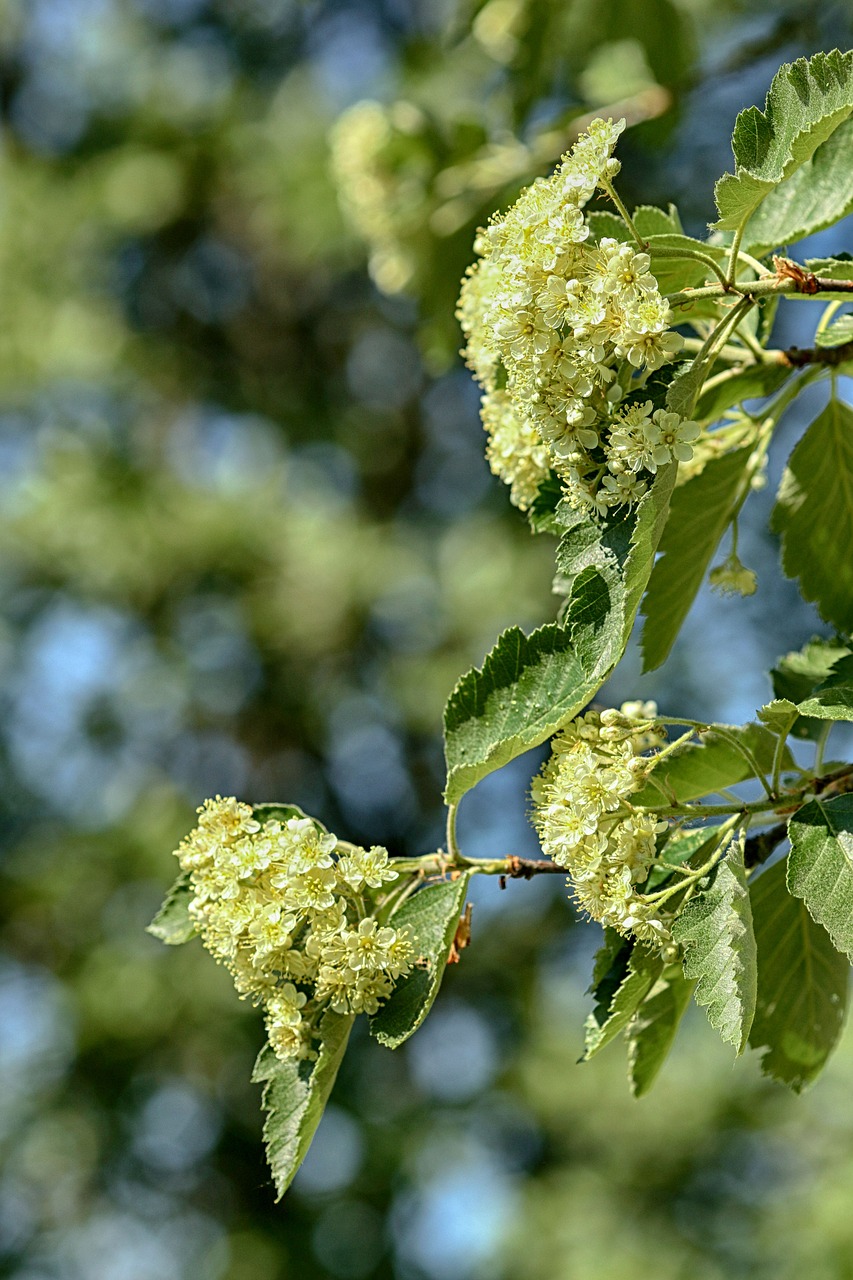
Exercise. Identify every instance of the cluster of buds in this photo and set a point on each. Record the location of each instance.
(585, 822)
(286, 908)
(557, 327)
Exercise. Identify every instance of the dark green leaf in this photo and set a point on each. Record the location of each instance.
(529, 686)
(652, 1029)
(172, 923)
(820, 865)
(617, 1001)
(802, 984)
(295, 1096)
(715, 929)
(541, 515)
(431, 915)
(274, 812)
(814, 514)
(700, 511)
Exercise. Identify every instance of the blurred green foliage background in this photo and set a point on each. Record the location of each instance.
(248, 541)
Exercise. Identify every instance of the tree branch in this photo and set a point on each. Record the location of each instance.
(797, 357)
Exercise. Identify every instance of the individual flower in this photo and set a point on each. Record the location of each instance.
(733, 578)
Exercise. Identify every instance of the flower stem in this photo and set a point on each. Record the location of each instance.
(629, 221)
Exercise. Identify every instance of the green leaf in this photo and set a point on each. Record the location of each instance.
(432, 915)
(609, 965)
(686, 385)
(700, 511)
(778, 715)
(674, 274)
(618, 995)
(172, 923)
(797, 675)
(715, 929)
(753, 383)
(802, 984)
(838, 268)
(699, 770)
(807, 101)
(680, 847)
(652, 1029)
(542, 513)
(271, 811)
(820, 865)
(591, 561)
(834, 703)
(603, 224)
(652, 221)
(529, 686)
(816, 196)
(814, 514)
(837, 333)
(295, 1096)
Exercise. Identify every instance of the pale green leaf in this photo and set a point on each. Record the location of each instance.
(674, 274)
(837, 268)
(802, 984)
(652, 1029)
(653, 221)
(172, 923)
(529, 686)
(837, 333)
(797, 675)
(618, 995)
(603, 224)
(814, 514)
(778, 715)
(678, 847)
(715, 929)
(807, 101)
(431, 915)
(700, 511)
(697, 770)
(295, 1096)
(753, 383)
(818, 195)
(686, 385)
(820, 865)
(834, 703)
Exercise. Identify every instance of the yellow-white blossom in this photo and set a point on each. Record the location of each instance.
(586, 823)
(285, 907)
(556, 327)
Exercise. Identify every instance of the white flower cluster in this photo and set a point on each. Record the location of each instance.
(283, 906)
(585, 823)
(557, 329)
